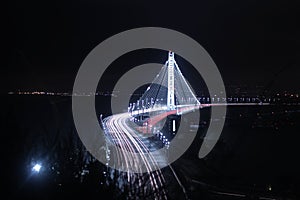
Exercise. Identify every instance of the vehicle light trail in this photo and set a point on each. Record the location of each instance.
(126, 139)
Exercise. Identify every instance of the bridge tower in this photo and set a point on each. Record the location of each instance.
(171, 93)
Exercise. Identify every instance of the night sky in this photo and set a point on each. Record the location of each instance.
(252, 42)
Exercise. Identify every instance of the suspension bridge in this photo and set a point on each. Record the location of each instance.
(169, 94)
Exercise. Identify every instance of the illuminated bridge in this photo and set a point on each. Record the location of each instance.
(167, 98)
(168, 94)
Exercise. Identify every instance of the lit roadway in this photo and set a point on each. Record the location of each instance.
(128, 139)
(182, 109)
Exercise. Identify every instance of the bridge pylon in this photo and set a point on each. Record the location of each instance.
(171, 93)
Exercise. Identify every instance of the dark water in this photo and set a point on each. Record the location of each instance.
(257, 154)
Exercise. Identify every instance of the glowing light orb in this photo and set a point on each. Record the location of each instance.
(37, 168)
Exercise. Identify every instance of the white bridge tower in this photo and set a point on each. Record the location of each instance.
(171, 93)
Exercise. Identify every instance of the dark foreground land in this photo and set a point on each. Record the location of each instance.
(255, 158)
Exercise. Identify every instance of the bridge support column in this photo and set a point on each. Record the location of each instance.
(171, 95)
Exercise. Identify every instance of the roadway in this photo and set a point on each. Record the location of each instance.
(127, 139)
(121, 132)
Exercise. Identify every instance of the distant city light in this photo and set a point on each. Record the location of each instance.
(36, 168)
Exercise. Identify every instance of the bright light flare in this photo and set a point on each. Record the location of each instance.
(36, 168)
